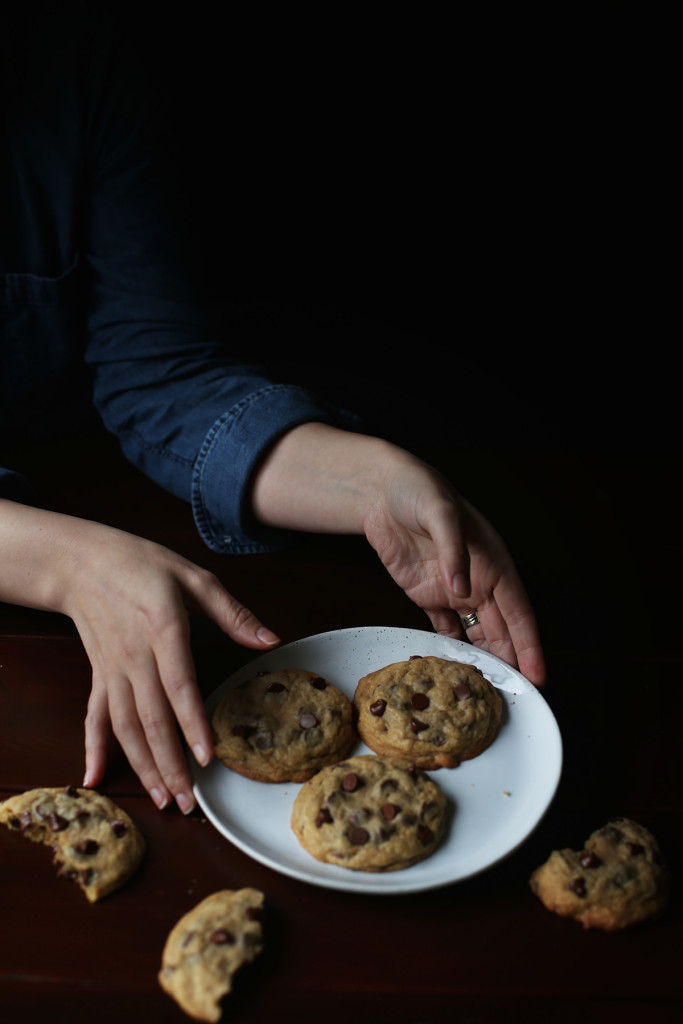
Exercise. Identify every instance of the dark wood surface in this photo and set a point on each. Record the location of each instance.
(482, 950)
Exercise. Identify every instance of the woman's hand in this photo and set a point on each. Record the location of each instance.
(129, 599)
(450, 561)
(438, 548)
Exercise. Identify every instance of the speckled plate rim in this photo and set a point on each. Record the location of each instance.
(496, 799)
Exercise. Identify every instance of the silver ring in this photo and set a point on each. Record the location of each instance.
(470, 620)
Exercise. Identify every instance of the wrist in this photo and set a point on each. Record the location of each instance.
(319, 478)
(32, 553)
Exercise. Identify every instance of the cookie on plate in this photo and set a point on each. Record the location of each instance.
(283, 726)
(207, 946)
(370, 813)
(433, 711)
(619, 878)
(95, 843)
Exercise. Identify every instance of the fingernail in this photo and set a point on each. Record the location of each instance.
(266, 636)
(201, 755)
(159, 798)
(185, 803)
(461, 585)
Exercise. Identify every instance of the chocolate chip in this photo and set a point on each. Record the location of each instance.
(589, 859)
(87, 876)
(254, 913)
(118, 827)
(88, 847)
(263, 740)
(378, 708)
(358, 836)
(70, 873)
(417, 726)
(319, 683)
(411, 770)
(390, 811)
(323, 817)
(308, 721)
(462, 691)
(425, 835)
(578, 887)
(70, 791)
(57, 822)
(635, 849)
(420, 701)
(222, 937)
(350, 782)
(26, 820)
(611, 833)
(415, 657)
(239, 730)
(275, 688)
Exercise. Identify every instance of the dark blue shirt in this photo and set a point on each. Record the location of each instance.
(102, 303)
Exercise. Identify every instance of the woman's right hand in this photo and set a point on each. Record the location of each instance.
(130, 600)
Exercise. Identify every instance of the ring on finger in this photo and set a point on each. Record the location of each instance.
(471, 619)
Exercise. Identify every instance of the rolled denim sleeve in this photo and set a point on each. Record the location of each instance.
(197, 422)
(229, 456)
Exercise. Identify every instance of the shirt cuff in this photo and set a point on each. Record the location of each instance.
(232, 450)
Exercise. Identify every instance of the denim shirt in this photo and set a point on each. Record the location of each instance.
(100, 306)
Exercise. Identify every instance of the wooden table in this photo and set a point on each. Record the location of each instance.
(478, 951)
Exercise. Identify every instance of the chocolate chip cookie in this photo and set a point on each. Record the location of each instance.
(283, 726)
(370, 814)
(207, 946)
(95, 843)
(619, 878)
(433, 711)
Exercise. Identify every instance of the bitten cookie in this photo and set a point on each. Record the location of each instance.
(207, 947)
(370, 814)
(283, 726)
(619, 879)
(435, 712)
(95, 843)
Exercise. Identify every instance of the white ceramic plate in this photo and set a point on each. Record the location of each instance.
(497, 799)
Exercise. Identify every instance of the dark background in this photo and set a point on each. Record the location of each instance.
(458, 223)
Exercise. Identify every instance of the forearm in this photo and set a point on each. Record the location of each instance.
(36, 547)
(317, 478)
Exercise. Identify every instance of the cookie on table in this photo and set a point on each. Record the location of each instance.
(207, 946)
(619, 878)
(283, 726)
(95, 843)
(433, 711)
(370, 813)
